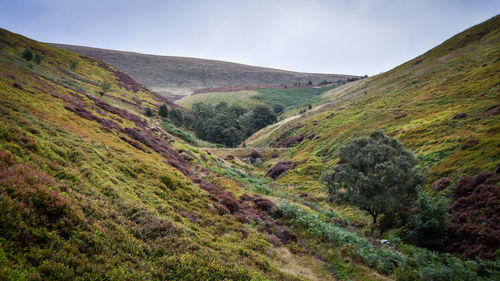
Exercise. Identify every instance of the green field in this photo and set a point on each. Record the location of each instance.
(243, 98)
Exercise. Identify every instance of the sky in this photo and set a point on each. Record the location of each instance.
(355, 37)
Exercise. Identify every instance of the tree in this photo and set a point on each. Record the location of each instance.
(261, 117)
(37, 59)
(237, 110)
(221, 107)
(176, 116)
(163, 111)
(27, 54)
(148, 112)
(377, 174)
(105, 87)
(309, 82)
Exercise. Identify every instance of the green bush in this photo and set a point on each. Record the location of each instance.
(148, 112)
(27, 54)
(429, 228)
(163, 111)
(171, 129)
(37, 59)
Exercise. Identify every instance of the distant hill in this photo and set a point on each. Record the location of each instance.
(180, 76)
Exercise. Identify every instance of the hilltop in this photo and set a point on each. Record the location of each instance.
(180, 76)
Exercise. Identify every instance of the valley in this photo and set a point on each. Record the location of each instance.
(97, 184)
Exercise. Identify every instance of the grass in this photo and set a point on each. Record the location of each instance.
(243, 98)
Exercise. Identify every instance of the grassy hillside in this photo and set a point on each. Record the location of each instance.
(443, 105)
(181, 76)
(90, 189)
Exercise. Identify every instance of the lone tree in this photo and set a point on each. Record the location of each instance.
(377, 174)
(163, 111)
(105, 87)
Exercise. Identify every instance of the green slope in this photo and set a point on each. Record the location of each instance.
(90, 189)
(419, 103)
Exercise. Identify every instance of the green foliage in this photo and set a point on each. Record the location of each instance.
(105, 86)
(404, 262)
(170, 128)
(163, 111)
(37, 59)
(377, 174)
(430, 224)
(176, 116)
(27, 54)
(73, 65)
(148, 112)
(228, 125)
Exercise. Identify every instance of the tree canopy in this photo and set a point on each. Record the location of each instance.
(377, 174)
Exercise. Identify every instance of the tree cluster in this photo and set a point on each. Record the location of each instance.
(228, 125)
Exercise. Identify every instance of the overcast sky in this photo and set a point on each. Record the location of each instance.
(337, 36)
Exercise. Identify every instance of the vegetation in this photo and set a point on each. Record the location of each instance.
(163, 111)
(171, 129)
(89, 192)
(402, 261)
(37, 59)
(228, 125)
(430, 226)
(27, 54)
(148, 112)
(377, 174)
(105, 86)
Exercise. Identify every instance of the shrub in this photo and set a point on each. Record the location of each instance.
(430, 225)
(27, 54)
(176, 116)
(73, 65)
(171, 129)
(148, 112)
(163, 111)
(377, 174)
(37, 59)
(105, 87)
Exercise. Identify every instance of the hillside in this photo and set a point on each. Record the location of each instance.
(91, 189)
(180, 76)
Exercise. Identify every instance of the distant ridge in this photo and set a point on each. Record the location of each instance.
(180, 76)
